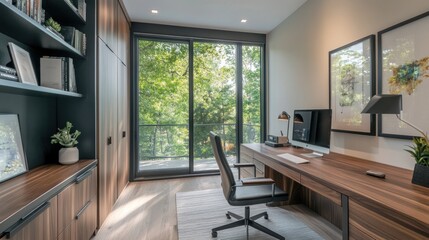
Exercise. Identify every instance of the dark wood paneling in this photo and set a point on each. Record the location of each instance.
(123, 37)
(375, 225)
(123, 127)
(321, 189)
(107, 23)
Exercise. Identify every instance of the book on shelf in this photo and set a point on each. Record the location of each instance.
(8, 70)
(8, 76)
(32, 8)
(81, 7)
(58, 73)
(75, 38)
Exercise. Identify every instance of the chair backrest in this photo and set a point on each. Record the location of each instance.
(227, 178)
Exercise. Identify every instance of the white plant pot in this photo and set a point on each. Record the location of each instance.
(68, 155)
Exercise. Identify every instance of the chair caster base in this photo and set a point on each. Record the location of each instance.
(228, 216)
(214, 234)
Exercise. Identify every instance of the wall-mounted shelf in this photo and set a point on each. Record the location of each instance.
(62, 11)
(23, 28)
(7, 86)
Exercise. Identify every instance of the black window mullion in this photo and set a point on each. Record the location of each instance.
(191, 106)
(239, 82)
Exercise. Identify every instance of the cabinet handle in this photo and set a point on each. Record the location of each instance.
(23, 221)
(83, 176)
(109, 140)
(82, 210)
(124, 134)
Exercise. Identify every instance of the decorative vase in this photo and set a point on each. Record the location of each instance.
(68, 155)
(421, 175)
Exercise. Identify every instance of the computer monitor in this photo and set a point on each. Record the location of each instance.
(312, 130)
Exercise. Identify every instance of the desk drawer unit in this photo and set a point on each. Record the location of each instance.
(367, 224)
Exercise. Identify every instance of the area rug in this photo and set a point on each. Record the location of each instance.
(200, 211)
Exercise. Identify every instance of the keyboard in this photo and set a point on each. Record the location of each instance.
(293, 158)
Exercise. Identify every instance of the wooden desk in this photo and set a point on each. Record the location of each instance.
(372, 208)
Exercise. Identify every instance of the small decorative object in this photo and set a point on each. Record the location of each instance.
(53, 24)
(404, 69)
(420, 152)
(351, 84)
(69, 154)
(24, 67)
(12, 158)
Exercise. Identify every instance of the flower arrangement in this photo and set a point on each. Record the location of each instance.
(64, 137)
(420, 150)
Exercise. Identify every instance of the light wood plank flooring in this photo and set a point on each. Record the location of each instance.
(147, 210)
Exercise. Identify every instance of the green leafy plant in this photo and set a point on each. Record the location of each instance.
(53, 24)
(420, 151)
(64, 137)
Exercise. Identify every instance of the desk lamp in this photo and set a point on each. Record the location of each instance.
(389, 104)
(284, 116)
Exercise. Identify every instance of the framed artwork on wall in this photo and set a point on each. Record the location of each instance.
(403, 68)
(12, 158)
(351, 86)
(24, 67)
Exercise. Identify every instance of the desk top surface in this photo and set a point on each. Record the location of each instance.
(346, 175)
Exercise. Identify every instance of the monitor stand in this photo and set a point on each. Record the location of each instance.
(312, 155)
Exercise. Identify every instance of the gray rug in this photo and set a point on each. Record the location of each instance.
(200, 211)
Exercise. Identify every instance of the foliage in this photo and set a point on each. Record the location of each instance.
(407, 77)
(53, 24)
(420, 151)
(164, 97)
(64, 137)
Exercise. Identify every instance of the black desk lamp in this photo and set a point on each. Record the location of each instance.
(284, 116)
(389, 104)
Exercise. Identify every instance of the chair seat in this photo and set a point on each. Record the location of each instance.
(255, 194)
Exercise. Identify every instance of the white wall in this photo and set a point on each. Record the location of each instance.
(298, 64)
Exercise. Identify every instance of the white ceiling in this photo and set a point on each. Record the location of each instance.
(262, 15)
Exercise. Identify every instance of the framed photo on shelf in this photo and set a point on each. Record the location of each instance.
(24, 67)
(403, 68)
(12, 158)
(351, 86)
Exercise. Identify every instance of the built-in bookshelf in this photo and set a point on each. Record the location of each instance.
(26, 30)
(66, 11)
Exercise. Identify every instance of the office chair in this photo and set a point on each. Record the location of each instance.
(244, 192)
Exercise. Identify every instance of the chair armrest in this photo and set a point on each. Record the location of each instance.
(256, 181)
(239, 165)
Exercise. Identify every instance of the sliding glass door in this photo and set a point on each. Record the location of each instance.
(185, 90)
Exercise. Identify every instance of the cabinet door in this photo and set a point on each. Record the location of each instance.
(107, 124)
(123, 126)
(41, 225)
(107, 22)
(86, 220)
(66, 211)
(123, 37)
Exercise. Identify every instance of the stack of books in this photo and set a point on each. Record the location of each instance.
(32, 8)
(8, 73)
(58, 73)
(75, 38)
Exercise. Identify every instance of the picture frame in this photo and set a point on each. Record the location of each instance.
(403, 68)
(22, 61)
(12, 157)
(351, 86)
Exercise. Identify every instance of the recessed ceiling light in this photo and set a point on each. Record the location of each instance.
(243, 20)
(154, 11)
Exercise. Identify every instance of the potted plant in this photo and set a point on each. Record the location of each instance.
(420, 151)
(68, 154)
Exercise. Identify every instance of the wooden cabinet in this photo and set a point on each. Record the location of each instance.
(41, 224)
(108, 23)
(123, 37)
(365, 223)
(113, 105)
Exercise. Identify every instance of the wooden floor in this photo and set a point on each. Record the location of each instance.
(147, 210)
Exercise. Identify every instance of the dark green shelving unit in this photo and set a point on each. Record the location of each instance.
(63, 12)
(24, 29)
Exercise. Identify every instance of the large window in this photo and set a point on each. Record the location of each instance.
(185, 89)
